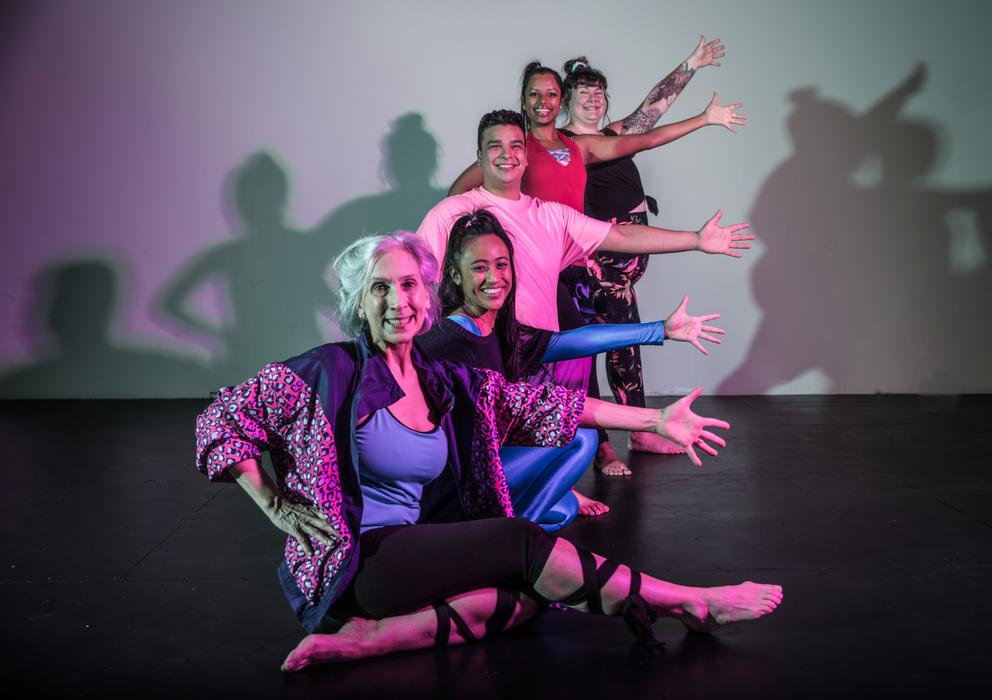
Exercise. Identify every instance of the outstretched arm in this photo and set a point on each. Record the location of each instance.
(711, 238)
(662, 95)
(470, 178)
(677, 422)
(596, 148)
(597, 338)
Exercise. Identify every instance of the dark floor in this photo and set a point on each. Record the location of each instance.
(124, 568)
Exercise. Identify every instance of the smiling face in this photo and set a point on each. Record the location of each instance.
(587, 105)
(484, 274)
(397, 301)
(542, 99)
(503, 156)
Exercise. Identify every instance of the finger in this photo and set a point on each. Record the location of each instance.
(715, 219)
(730, 128)
(734, 228)
(691, 453)
(706, 336)
(713, 329)
(685, 301)
(732, 254)
(716, 423)
(706, 448)
(715, 100)
(713, 437)
(708, 317)
(694, 394)
(300, 537)
(716, 63)
(745, 246)
(323, 533)
(695, 344)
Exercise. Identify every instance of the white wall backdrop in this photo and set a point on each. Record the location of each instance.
(178, 173)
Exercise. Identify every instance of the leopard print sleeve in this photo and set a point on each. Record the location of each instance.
(545, 415)
(247, 419)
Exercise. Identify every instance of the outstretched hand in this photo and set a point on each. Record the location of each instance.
(302, 523)
(690, 329)
(714, 238)
(724, 115)
(706, 54)
(683, 427)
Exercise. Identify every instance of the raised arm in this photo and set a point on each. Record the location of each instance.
(662, 95)
(597, 148)
(711, 238)
(470, 178)
(677, 422)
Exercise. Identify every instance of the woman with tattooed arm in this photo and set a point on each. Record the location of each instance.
(556, 171)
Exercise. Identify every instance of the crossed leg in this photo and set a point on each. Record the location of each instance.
(581, 580)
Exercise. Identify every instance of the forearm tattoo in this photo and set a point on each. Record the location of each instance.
(658, 100)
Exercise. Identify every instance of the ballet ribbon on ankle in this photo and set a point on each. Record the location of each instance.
(638, 615)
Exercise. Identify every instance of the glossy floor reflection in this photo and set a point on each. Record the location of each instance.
(124, 569)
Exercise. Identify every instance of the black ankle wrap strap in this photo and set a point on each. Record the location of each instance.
(506, 603)
(638, 615)
(445, 616)
(593, 580)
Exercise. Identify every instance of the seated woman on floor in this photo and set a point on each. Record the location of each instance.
(389, 484)
(480, 329)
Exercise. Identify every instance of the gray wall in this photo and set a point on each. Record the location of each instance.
(177, 175)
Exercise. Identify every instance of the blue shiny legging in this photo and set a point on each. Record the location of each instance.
(541, 479)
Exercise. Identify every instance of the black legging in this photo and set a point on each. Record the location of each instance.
(407, 567)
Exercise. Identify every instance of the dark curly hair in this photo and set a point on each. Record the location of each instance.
(468, 227)
(578, 73)
(499, 117)
(530, 70)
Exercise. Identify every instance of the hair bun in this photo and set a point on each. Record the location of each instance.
(574, 64)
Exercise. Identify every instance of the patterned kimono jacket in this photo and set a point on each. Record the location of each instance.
(304, 410)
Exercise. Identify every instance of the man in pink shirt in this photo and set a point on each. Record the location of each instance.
(549, 236)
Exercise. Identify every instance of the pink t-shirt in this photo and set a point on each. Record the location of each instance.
(547, 237)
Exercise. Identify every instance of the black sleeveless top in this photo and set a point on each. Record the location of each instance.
(614, 187)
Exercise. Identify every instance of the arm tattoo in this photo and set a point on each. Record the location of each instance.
(658, 100)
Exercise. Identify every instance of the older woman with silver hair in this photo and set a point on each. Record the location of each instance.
(389, 486)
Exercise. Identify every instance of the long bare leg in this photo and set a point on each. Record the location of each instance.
(700, 609)
(360, 638)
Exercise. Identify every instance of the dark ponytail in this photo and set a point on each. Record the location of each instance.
(482, 222)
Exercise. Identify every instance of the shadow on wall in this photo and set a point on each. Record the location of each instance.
(268, 279)
(70, 317)
(870, 273)
(409, 165)
(271, 276)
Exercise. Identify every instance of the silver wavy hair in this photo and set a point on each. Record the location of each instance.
(353, 269)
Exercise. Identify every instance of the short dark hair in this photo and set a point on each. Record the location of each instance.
(499, 117)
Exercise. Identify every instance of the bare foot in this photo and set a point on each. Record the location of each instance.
(726, 604)
(653, 442)
(348, 644)
(608, 463)
(589, 507)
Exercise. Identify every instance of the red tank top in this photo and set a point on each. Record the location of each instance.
(547, 179)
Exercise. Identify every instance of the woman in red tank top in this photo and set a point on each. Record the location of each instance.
(556, 168)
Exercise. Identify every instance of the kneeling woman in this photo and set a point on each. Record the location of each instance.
(481, 330)
(389, 485)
